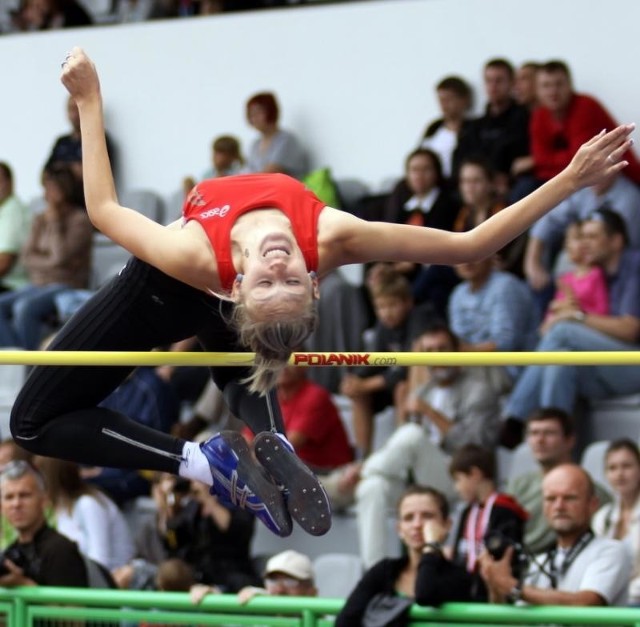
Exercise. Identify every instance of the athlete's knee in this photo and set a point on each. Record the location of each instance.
(24, 426)
(23, 436)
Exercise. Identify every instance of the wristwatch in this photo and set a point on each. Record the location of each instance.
(434, 546)
(579, 315)
(515, 594)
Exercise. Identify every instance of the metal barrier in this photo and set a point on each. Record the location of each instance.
(40, 606)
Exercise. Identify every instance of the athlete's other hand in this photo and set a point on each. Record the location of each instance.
(601, 157)
(79, 76)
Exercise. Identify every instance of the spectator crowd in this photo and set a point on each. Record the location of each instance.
(549, 536)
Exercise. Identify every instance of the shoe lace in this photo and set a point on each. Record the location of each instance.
(238, 495)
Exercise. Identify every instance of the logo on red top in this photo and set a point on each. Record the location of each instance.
(195, 198)
(216, 211)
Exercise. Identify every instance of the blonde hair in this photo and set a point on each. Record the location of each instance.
(272, 341)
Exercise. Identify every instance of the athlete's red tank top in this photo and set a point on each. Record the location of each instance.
(217, 203)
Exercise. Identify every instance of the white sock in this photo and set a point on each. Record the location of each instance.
(194, 464)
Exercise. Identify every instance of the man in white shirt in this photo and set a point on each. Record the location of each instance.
(581, 569)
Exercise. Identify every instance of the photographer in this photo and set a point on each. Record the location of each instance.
(40, 556)
(580, 569)
(490, 520)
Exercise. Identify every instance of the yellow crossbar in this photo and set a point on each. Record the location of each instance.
(158, 358)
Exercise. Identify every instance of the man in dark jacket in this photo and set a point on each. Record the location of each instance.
(40, 556)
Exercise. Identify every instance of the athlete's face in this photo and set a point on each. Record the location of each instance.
(276, 279)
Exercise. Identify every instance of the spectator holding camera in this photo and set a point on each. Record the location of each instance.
(488, 513)
(40, 556)
(209, 536)
(489, 519)
(580, 569)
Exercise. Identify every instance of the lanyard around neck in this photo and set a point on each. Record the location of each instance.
(474, 532)
(575, 550)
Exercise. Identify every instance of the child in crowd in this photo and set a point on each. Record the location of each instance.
(585, 286)
(398, 323)
(226, 158)
(489, 518)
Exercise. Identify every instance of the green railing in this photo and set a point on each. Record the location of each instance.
(27, 607)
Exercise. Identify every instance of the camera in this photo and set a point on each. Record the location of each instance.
(497, 543)
(179, 493)
(16, 555)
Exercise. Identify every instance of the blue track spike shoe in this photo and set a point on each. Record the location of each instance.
(306, 499)
(241, 482)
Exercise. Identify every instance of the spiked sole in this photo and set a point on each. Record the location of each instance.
(255, 477)
(306, 499)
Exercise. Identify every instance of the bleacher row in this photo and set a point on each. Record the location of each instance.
(605, 421)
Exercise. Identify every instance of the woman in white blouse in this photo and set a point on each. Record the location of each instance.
(86, 515)
(621, 519)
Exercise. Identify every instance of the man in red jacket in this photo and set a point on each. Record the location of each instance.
(563, 121)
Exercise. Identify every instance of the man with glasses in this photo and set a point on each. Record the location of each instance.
(40, 556)
(550, 435)
(286, 574)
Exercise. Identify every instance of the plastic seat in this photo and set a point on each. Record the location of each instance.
(593, 461)
(107, 259)
(337, 574)
(350, 192)
(144, 201)
(522, 461)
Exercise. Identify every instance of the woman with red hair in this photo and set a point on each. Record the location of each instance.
(276, 150)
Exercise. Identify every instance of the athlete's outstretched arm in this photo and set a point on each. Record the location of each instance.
(362, 241)
(170, 250)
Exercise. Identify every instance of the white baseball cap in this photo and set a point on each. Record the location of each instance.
(290, 563)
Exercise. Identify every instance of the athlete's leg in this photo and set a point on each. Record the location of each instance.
(217, 336)
(306, 499)
(56, 414)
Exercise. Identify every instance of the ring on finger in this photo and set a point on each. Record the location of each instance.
(610, 159)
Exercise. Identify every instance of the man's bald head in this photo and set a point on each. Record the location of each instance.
(569, 501)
